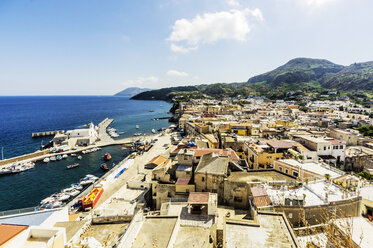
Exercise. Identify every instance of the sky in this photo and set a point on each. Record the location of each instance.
(96, 47)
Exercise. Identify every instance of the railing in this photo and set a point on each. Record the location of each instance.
(22, 211)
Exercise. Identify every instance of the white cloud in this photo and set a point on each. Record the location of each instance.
(141, 81)
(177, 73)
(316, 3)
(211, 27)
(234, 3)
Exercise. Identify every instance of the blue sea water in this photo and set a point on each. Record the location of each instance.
(21, 116)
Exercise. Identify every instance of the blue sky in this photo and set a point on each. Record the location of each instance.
(95, 47)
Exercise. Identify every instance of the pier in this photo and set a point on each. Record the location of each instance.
(160, 118)
(47, 133)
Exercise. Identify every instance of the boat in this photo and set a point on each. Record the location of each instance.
(104, 167)
(90, 200)
(72, 166)
(59, 157)
(153, 130)
(137, 134)
(63, 197)
(88, 179)
(107, 156)
(161, 105)
(64, 156)
(152, 110)
(53, 158)
(71, 191)
(137, 126)
(80, 157)
(120, 133)
(73, 155)
(46, 160)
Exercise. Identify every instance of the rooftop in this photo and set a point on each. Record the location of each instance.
(197, 197)
(7, 232)
(312, 167)
(259, 176)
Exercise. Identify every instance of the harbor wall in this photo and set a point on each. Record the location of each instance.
(29, 156)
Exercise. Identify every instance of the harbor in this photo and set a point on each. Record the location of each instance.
(28, 188)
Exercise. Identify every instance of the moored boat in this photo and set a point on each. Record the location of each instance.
(64, 156)
(90, 200)
(59, 157)
(72, 166)
(53, 158)
(104, 167)
(46, 160)
(107, 156)
(80, 157)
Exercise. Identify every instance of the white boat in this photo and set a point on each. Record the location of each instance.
(71, 191)
(73, 155)
(153, 130)
(46, 160)
(63, 197)
(53, 158)
(80, 157)
(86, 181)
(64, 156)
(137, 126)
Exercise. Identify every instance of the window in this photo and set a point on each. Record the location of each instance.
(341, 146)
(286, 171)
(328, 147)
(203, 179)
(324, 148)
(290, 215)
(280, 168)
(295, 173)
(238, 199)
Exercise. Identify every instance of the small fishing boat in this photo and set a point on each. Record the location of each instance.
(107, 156)
(59, 157)
(72, 166)
(53, 158)
(104, 167)
(137, 134)
(122, 133)
(153, 130)
(64, 156)
(73, 155)
(137, 126)
(71, 191)
(152, 110)
(46, 160)
(80, 157)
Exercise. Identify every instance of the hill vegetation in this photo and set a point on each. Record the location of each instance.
(298, 77)
(132, 91)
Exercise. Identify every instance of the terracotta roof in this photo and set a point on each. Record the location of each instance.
(336, 142)
(197, 197)
(280, 144)
(157, 160)
(258, 191)
(182, 181)
(225, 152)
(262, 201)
(7, 232)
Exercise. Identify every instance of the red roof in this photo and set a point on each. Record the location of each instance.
(258, 191)
(182, 181)
(225, 152)
(336, 142)
(197, 197)
(7, 232)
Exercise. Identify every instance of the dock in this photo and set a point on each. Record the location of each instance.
(160, 118)
(47, 133)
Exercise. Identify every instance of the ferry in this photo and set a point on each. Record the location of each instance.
(107, 156)
(90, 200)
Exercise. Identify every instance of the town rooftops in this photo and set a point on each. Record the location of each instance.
(182, 181)
(213, 164)
(280, 144)
(198, 197)
(312, 167)
(7, 232)
(225, 152)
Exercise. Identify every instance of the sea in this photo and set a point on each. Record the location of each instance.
(20, 116)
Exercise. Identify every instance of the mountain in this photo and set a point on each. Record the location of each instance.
(297, 71)
(356, 76)
(132, 91)
(299, 76)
